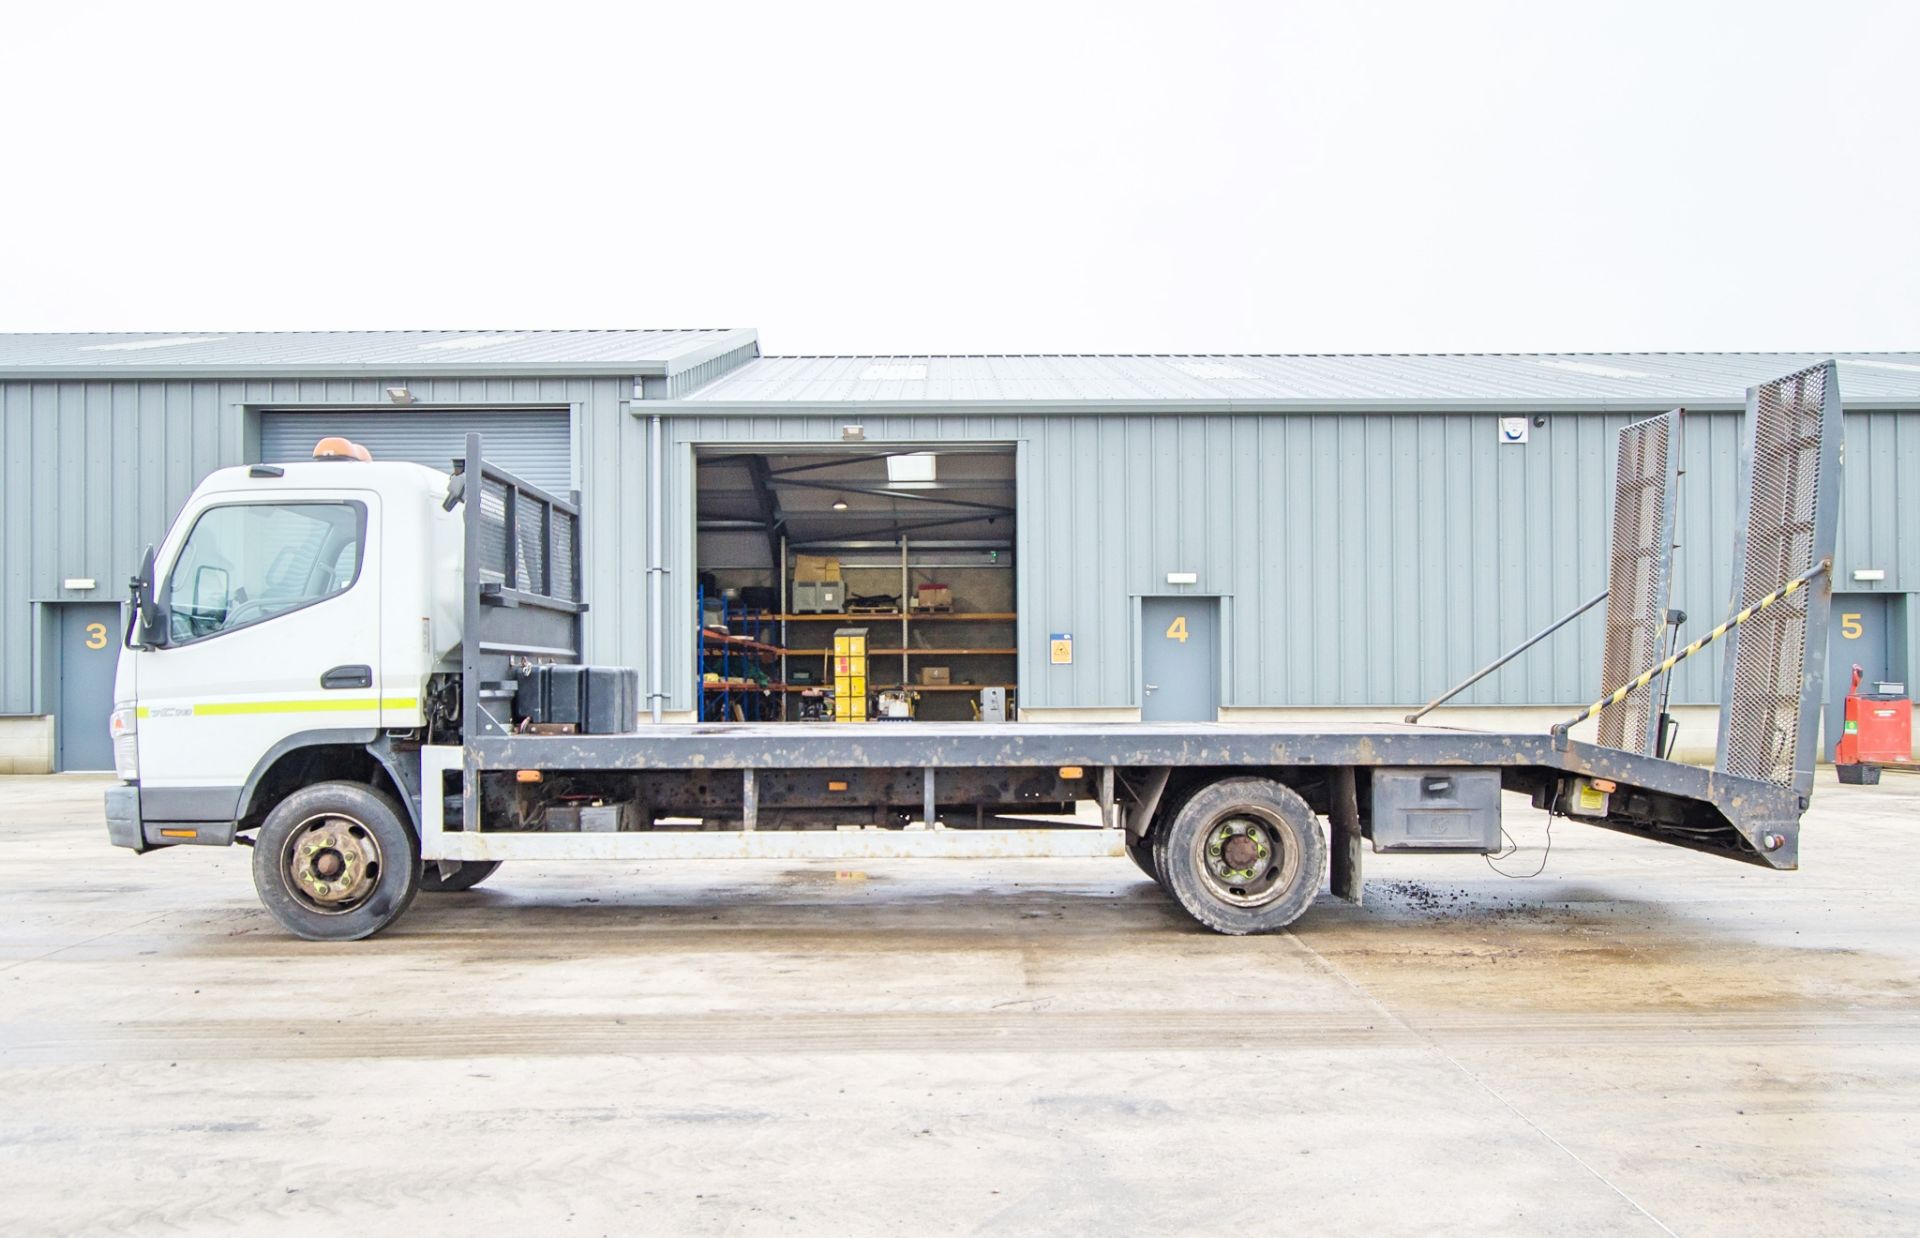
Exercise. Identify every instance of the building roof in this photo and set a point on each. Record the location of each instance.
(1298, 381)
(383, 354)
(1226, 382)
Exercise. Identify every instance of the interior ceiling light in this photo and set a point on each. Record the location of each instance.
(915, 467)
(839, 505)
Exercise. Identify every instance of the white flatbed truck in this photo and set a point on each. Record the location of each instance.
(327, 661)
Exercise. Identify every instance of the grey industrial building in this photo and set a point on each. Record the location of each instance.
(1334, 533)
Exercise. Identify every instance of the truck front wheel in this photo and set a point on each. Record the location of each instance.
(1243, 855)
(336, 862)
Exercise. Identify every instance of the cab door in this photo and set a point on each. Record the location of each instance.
(273, 629)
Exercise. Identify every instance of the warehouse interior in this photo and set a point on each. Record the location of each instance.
(914, 547)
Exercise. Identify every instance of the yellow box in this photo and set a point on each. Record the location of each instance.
(850, 675)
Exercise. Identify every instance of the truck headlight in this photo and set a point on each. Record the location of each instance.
(126, 743)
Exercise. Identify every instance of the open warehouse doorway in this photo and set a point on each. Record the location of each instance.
(914, 546)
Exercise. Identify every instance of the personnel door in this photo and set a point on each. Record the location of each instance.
(1180, 659)
(1858, 637)
(89, 641)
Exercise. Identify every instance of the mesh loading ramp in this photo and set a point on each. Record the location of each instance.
(1639, 575)
(1776, 662)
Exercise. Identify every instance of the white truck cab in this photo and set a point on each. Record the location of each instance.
(292, 611)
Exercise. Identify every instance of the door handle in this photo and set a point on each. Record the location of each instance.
(348, 677)
(1152, 687)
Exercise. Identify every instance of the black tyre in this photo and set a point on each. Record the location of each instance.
(1176, 798)
(1244, 855)
(469, 874)
(336, 861)
(1140, 851)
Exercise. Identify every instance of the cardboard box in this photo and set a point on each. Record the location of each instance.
(931, 676)
(933, 597)
(815, 569)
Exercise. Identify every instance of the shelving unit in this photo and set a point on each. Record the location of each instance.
(746, 664)
(981, 643)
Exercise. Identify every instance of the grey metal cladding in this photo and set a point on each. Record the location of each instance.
(1364, 559)
(92, 472)
(1775, 663)
(1639, 569)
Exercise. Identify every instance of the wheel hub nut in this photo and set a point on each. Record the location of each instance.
(1241, 851)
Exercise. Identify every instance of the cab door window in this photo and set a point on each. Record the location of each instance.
(245, 563)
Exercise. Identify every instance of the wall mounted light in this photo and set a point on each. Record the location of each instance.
(853, 434)
(400, 395)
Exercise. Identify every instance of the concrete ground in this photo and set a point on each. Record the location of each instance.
(1641, 1040)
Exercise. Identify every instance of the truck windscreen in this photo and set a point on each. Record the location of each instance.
(244, 563)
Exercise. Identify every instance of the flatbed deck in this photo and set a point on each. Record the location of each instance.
(1762, 818)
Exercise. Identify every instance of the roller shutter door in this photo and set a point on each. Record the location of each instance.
(534, 443)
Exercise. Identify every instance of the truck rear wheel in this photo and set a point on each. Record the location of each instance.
(336, 862)
(469, 874)
(1243, 855)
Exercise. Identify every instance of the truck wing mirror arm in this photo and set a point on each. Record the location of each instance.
(147, 625)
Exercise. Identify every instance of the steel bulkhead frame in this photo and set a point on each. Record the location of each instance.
(516, 617)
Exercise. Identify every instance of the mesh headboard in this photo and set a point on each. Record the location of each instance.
(522, 586)
(1639, 575)
(1776, 662)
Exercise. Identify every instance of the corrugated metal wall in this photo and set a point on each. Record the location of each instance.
(1367, 560)
(95, 471)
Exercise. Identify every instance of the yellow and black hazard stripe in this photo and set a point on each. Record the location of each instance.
(1654, 672)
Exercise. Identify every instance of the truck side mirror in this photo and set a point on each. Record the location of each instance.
(149, 626)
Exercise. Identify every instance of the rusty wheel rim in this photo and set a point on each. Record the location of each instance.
(1243, 858)
(331, 864)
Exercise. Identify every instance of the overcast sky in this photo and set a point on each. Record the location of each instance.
(969, 177)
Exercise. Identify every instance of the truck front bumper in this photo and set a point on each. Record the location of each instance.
(128, 827)
(123, 818)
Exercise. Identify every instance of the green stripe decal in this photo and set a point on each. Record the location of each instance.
(331, 704)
